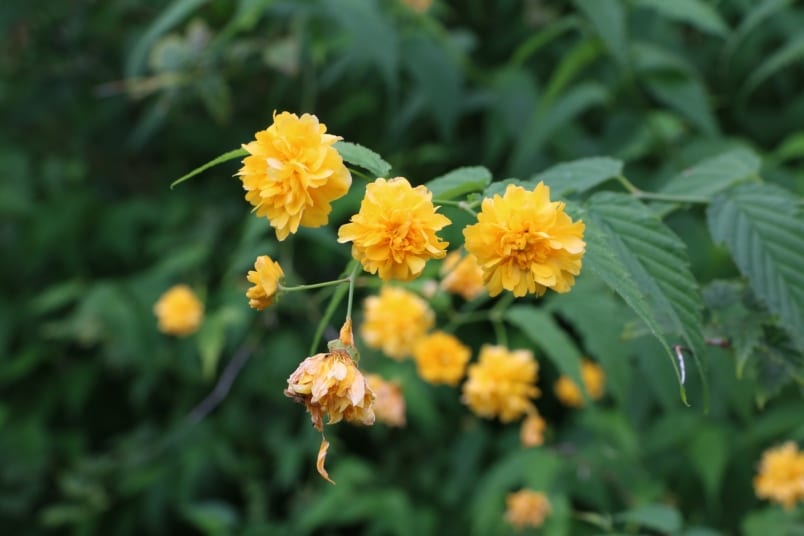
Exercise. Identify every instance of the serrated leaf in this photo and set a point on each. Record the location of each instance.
(694, 12)
(363, 157)
(715, 174)
(460, 182)
(789, 54)
(658, 517)
(764, 232)
(225, 157)
(661, 288)
(541, 328)
(579, 175)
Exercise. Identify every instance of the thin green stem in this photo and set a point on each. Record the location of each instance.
(652, 196)
(337, 296)
(499, 331)
(316, 285)
(351, 278)
(360, 174)
(463, 205)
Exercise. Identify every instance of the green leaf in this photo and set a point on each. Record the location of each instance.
(541, 328)
(225, 157)
(656, 261)
(694, 12)
(579, 175)
(459, 182)
(715, 174)
(789, 54)
(658, 517)
(363, 157)
(212, 518)
(790, 149)
(499, 187)
(764, 232)
(708, 451)
(572, 63)
(608, 18)
(758, 14)
(686, 94)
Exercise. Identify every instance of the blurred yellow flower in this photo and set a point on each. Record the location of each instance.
(179, 311)
(525, 243)
(781, 475)
(526, 508)
(441, 358)
(293, 173)
(395, 320)
(419, 6)
(389, 404)
(502, 383)
(394, 233)
(462, 275)
(531, 433)
(330, 384)
(594, 380)
(265, 278)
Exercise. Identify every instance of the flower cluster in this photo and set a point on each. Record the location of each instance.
(594, 382)
(179, 311)
(527, 508)
(525, 243)
(781, 475)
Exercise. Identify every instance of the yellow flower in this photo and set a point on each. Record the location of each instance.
(395, 320)
(525, 243)
(502, 383)
(594, 380)
(330, 384)
(389, 404)
(462, 275)
(441, 358)
(781, 475)
(394, 233)
(526, 508)
(531, 434)
(293, 173)
(265, 278)
(179, 311)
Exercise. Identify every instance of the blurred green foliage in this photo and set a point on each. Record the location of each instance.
(105, 103)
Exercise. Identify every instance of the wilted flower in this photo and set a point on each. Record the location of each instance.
(394, 233)
(395, 320)
(441, 358)
(594, 380)
(462, 275)
(265, 278)
(293, 173)
(531, 433)
(526, 508)
(179, 311)
(781, 475)
(389, 404)
(502, 383)
(525, 243)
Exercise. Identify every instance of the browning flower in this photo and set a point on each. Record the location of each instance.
(441, 358)
(394, 233)
(781, 475)
(395, 320)
(179, 311)
(293, 173)
(594, 381)
(265, 278)
(526, 508)
(389, 404)
(525, 243)
(462, 275)
(502, 383)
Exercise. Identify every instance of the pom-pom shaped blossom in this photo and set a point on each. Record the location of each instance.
(462, 275)
(525, 243)
(394, 233)
(441, 358)
(781, 475)
(594, 381)
(526, 509)
(293, 173)
(395, 320)
(179, 311)
(531, 433)
(389, 403)
(502, 383)
(265, 278)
